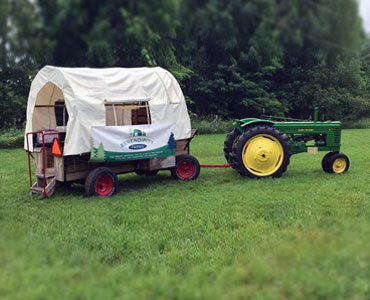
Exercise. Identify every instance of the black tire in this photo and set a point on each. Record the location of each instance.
(146, 173)
(187, 168)
(324, 162)
(230, 141)
(63, 184)
(140, 172)
(271, 133)
(101, 182)
(338, 163)
(151, 173)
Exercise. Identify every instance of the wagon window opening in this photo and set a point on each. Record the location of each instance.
(61, 114)
(134, 113)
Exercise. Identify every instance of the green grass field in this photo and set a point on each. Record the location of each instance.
(303, 236)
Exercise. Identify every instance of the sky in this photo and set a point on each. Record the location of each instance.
(365, 13)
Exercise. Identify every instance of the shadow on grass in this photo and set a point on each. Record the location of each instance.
(126, 183)
(131, 183)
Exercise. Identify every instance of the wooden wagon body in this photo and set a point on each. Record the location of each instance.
(60, 115)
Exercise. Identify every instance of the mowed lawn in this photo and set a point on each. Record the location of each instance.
(303, 236)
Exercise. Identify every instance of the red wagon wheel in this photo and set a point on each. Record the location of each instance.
(103, 185)
(187, 168)
(101, 182)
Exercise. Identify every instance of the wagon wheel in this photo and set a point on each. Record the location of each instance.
(146, 173)
(338, 163)
(151, 173)
(187, 168)
(261, 151)
(229, 143)
(101, 182)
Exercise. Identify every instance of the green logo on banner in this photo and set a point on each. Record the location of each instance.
(137, 132)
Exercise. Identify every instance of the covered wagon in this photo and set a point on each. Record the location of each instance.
(88, 125)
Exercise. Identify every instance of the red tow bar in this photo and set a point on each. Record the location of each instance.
(215, 166)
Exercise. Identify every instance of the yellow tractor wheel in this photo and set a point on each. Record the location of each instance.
(338, 163)
(261, 151)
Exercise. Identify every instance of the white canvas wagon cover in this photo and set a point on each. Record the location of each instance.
(84, 91)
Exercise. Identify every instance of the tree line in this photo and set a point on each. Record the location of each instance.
(233, 58)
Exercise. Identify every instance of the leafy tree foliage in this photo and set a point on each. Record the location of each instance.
(233, 58)
(14, 88)
(322, 44)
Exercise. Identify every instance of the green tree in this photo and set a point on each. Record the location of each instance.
(232, 58)
(101, 153)
(172, 143)
(14, 88)
(94, 151)
(17, 51)
(322, 43)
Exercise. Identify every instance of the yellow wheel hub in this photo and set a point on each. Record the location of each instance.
(339, 165)
(263, 155)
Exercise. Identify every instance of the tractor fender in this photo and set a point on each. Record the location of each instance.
(243, 124)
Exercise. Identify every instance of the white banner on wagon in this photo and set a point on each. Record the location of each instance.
(127, 143)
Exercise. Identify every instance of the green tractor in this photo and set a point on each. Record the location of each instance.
(260, 148)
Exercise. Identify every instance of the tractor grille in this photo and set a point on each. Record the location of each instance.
(337, 132)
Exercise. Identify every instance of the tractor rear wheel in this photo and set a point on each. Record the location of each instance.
(261, 151)
(338, 163)
(230, 141)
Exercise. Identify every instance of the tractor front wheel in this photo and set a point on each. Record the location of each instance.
(338, 163)
(261, 151)
(324, 162)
